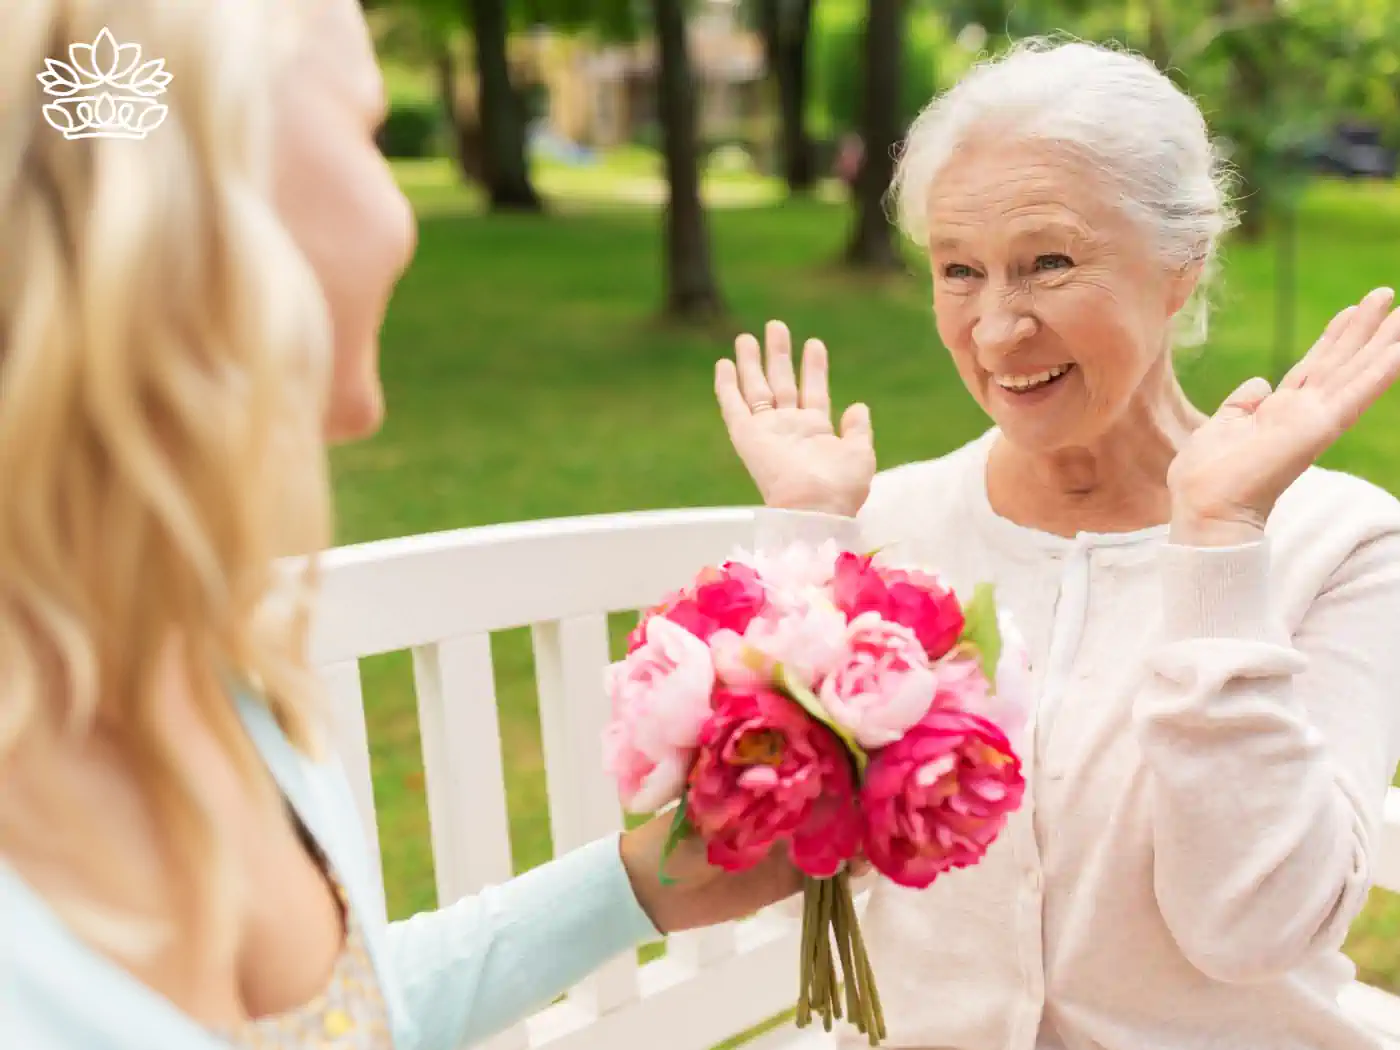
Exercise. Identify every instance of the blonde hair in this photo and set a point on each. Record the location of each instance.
(164, 360)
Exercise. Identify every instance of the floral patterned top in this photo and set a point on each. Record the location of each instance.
(350, 1014)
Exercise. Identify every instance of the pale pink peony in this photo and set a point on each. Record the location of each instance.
(938, 797)
(767, 772)
(795, 569)
(660, 696)
(883, 683)
(809, 640)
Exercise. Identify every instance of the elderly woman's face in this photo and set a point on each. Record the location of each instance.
(339, 199)
(1050, 299)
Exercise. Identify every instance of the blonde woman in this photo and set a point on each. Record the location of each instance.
(184, 321)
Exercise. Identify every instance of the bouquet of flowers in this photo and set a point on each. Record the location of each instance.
(819, 699)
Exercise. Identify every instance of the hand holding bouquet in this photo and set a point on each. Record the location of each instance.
(815, 699)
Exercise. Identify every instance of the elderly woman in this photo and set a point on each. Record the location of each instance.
(185, 321)
(1212, 618)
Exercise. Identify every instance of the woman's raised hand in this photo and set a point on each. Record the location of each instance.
(1226, 479)
(783, 431)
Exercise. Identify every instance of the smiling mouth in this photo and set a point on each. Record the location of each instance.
(1032, 381)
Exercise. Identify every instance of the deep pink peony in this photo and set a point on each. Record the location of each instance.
(882, 684)
(908, 596)
(767, 772)
(724, 598)
(937, 798)
(660, 695)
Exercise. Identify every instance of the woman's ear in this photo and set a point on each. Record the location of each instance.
(1182, 284)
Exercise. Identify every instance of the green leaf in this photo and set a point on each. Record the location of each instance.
(981, 631)
(807, 700)
(681, 829)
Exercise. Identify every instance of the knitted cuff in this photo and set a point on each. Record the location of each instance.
(1217, 592)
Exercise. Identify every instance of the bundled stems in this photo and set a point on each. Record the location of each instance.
(829, 913)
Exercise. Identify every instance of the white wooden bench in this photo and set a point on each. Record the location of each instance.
(441, 596)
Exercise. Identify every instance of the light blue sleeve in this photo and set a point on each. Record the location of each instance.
(477, 966)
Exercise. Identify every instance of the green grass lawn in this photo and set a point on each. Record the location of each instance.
(528, 377)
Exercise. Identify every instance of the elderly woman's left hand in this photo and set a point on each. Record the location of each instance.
(1226, 479)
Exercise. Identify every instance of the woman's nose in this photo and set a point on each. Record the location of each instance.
(1001, 329)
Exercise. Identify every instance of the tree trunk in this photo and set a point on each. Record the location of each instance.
(873, 245)
(504, 164)
(1250, 92)
(466, 133)
(787, 28)
(691, 292)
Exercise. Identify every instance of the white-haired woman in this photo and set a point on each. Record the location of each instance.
(1213, 618)
(184, 320)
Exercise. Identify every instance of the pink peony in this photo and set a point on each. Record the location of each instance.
(908, 596)
(660, 696)
(727, 597)
(857, 586)
(638, 635)
(882, 684)
(808, 641)
(937, 798)
(963, 686)
(767, 772)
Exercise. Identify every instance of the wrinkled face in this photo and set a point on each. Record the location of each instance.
(337, 196)
(1049, 297)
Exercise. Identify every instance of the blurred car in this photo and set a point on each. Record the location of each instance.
(1354, 151)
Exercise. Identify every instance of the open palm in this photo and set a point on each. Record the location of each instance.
(1236, 466)
(784, 433)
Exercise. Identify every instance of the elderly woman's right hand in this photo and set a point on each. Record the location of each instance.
(783, 432)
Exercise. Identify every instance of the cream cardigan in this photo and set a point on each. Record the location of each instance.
(1215, 734)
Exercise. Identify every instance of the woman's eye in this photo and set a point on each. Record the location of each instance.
(957, 271)
(1053, 262)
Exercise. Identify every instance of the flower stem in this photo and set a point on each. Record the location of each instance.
(841, 927)
(811, 891)
(829, 911)
(825, 992)
(870, 995)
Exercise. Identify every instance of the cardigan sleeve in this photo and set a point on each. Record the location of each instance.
(774, 528)
(1269, 752)
(467, 971)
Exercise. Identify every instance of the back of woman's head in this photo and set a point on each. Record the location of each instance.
(163, 360)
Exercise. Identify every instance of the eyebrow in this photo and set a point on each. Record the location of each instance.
(1045, 231)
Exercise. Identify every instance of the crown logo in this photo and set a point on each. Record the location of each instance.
(104, 91)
